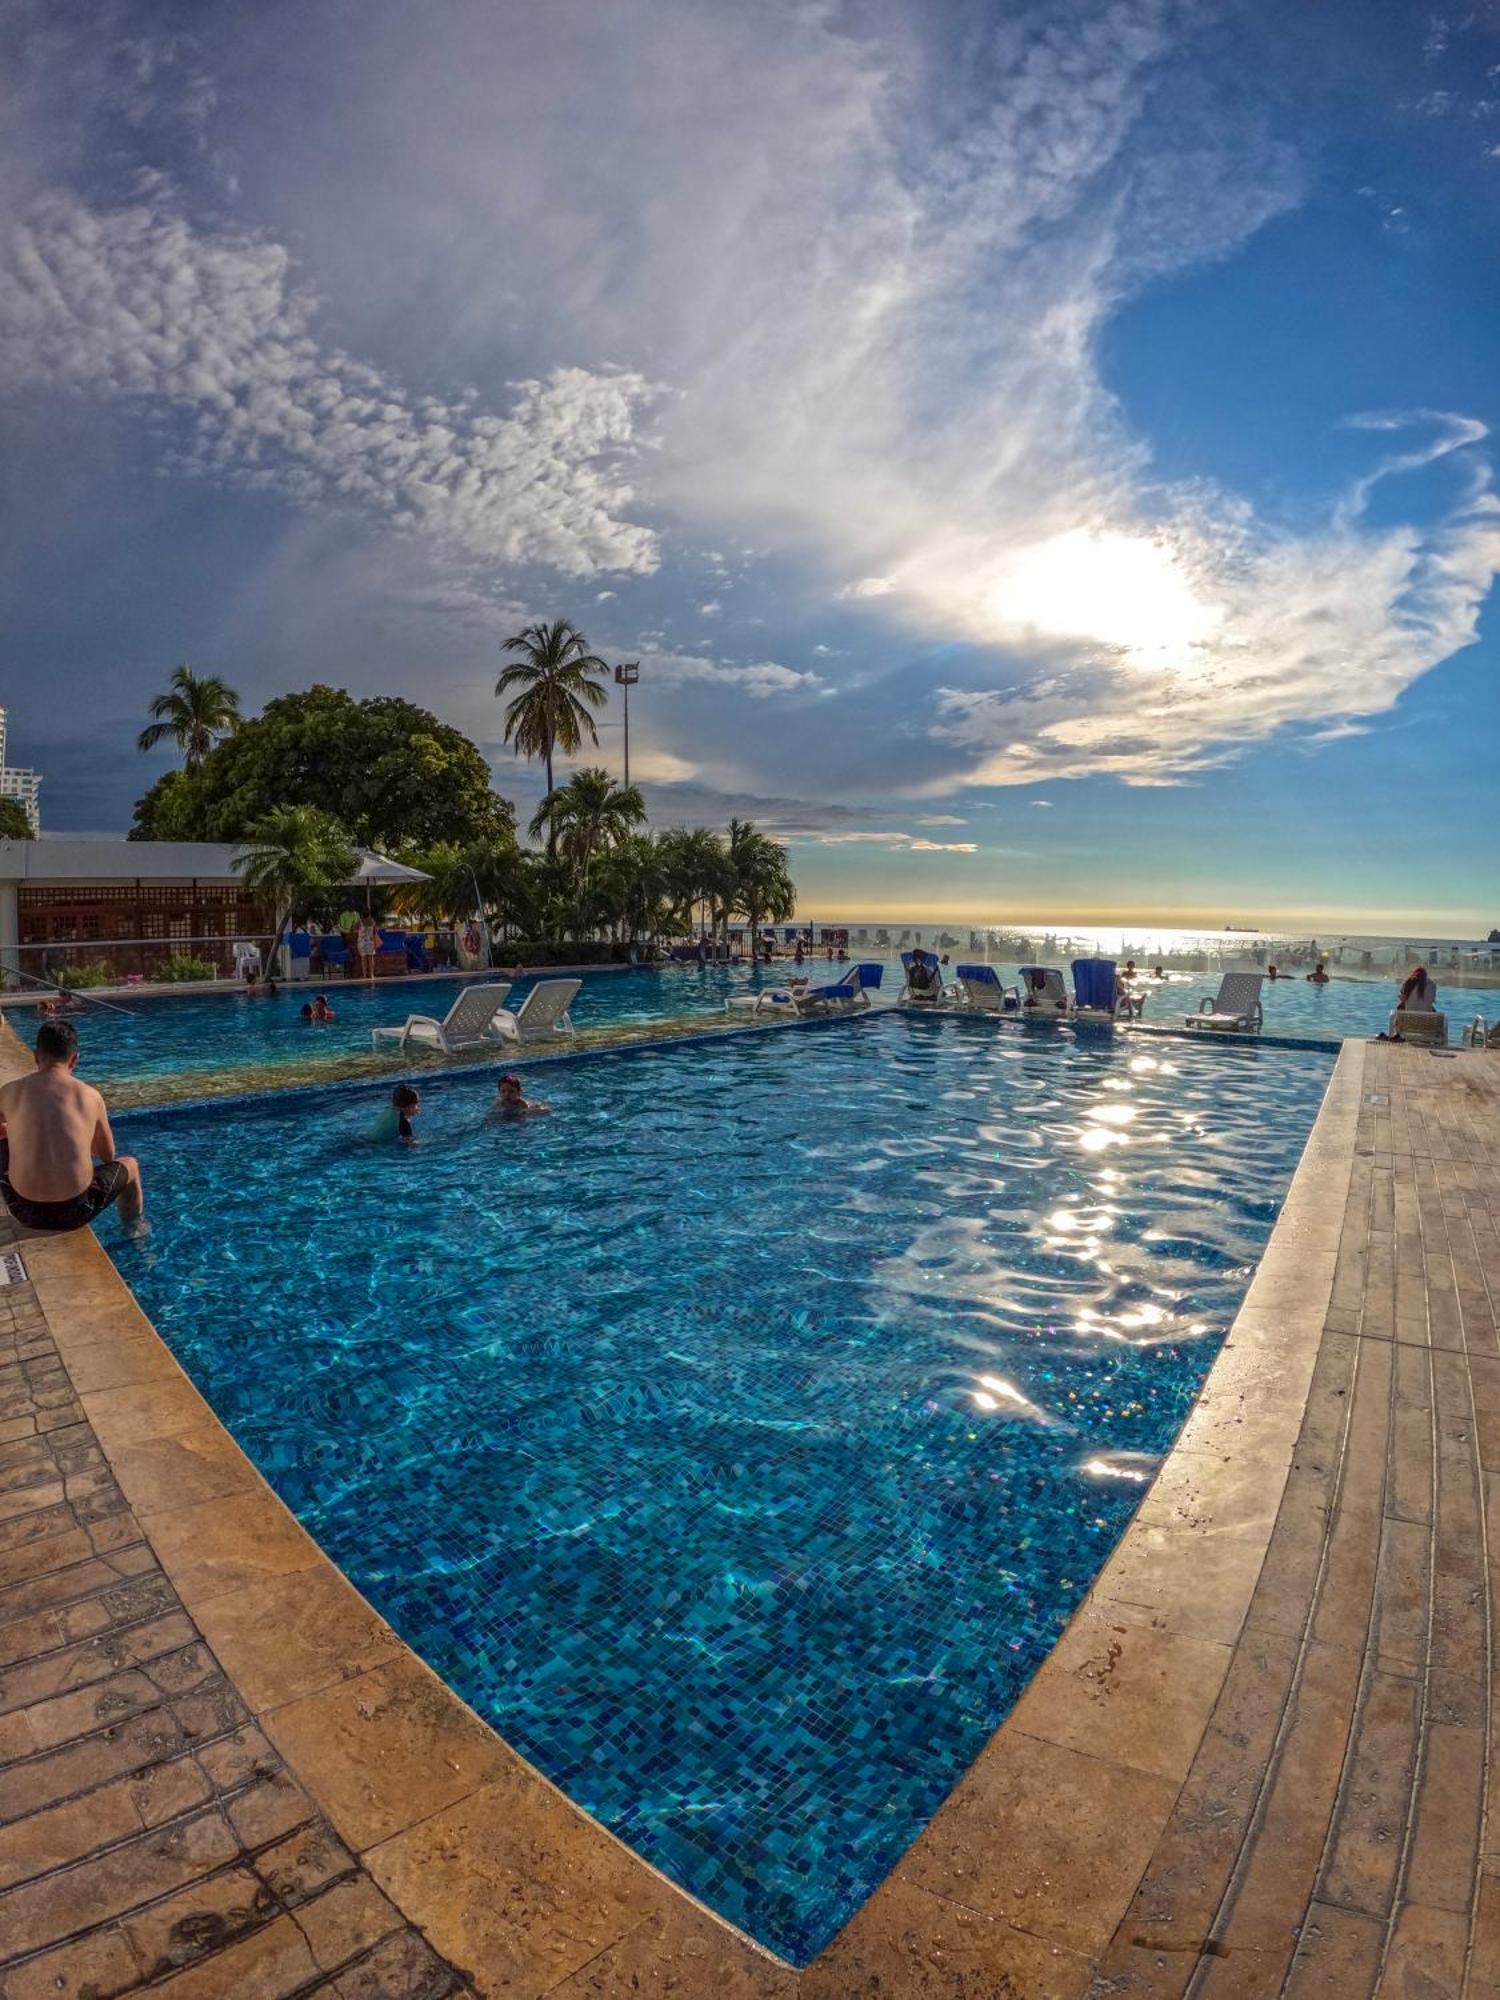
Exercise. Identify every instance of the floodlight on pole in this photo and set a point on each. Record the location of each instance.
(626, 677)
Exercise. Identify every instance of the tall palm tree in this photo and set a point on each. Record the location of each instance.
(761, 886)
(292, 857)
(195, 712)
(555, 675)
(588, 815)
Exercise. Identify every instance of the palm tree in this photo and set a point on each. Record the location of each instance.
(761, 885)
(699, 870)
(587, 816)
(292, 857)
(195, 712)
(555, 676)
(633, 883)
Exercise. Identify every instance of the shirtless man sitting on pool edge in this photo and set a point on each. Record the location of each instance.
(52, 1131)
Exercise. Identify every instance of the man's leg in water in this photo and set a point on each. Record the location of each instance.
(132, 1202)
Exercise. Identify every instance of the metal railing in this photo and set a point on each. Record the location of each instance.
(80, 964)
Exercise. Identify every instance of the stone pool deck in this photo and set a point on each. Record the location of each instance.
(1256, 1763)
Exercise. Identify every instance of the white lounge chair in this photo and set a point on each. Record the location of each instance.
(844, 996)
(1236, 1005)
(978, 990)
(543, 1015)
(1043, 991)
(468, 1024)
(769, 1000)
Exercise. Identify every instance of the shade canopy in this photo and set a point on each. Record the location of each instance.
(375, 869)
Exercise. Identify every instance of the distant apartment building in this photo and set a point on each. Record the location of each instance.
(23, 786)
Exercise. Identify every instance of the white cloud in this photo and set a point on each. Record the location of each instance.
(941, 819)
(761, 678)
(869, 586)
(135, 304)
(905, 843)
(711, 609)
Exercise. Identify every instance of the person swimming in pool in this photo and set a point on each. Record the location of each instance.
(511, 1100)
(1319, 975)
(395, 1122)
(318, 1009)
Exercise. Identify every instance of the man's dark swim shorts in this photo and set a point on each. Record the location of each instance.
(108, 1184)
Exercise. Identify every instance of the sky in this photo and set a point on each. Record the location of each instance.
(1042, 456)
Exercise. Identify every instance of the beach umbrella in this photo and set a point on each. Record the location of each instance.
(377, 870)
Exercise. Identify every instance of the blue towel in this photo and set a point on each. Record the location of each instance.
(1094, 983)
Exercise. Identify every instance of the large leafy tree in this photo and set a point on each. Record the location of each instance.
(14, 825)
(196, 711)
(388, 771)
(587, 816)
(761, 888)
(633, 885)
(553, 685)
(292, 858)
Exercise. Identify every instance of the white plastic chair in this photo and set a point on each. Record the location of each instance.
(543, 1014)
(468, 1024)
(1235, 1006)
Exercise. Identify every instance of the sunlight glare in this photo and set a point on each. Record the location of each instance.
(1122, 590)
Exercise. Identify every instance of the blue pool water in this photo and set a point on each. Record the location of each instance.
(205, 1033)
(740, 1438)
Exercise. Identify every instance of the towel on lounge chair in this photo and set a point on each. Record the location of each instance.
(468, 1024)
(1096, 986)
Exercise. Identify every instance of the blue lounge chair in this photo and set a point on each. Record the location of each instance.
(1097, 991)
(979, 990)
(333, 952)
(931, 996)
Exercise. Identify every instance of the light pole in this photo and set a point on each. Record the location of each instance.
(626, 677)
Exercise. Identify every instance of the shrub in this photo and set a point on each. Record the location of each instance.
(183, 966)
(87, 972)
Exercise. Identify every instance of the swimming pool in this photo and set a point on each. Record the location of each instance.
(739, 1439)
(205, 1034)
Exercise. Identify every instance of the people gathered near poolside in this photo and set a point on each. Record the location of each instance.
(58, 1164)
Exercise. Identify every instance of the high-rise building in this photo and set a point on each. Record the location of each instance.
(23, 786)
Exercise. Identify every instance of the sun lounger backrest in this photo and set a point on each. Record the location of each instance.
(473, 1010)
(1051, 985)
(1239, 993)
(547, 1002)
(977, 975)
(868, 976)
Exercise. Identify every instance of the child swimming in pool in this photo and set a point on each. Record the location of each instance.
(511, 1100)
(395, 1122)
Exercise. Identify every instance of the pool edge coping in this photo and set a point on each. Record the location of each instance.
(87, 1302)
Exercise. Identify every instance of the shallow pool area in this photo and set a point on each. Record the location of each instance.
(179, 1036)
(174, 1039)
(740, 1438)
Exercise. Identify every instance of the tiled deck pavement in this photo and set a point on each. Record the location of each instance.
(149, 1833)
